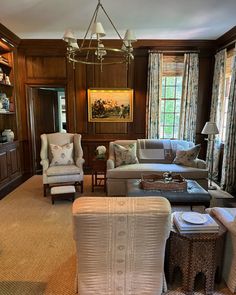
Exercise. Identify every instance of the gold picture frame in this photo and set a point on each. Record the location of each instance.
(110, 105)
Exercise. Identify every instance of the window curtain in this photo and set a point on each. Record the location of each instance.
(153, 94)
(218, 90)
(188, 113)
(228, 181)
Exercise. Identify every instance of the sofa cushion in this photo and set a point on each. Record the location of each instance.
(154, 151)
(125, 155)
(62, 155)
(187, 157)
(177, 144)
(136, 170)
(63, 170)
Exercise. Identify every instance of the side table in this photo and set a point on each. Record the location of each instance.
(194, 254)
(99, 169)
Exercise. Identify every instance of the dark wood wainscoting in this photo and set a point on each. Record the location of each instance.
(42, 62)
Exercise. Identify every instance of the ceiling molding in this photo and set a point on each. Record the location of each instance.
(9, 35)
(228, 38)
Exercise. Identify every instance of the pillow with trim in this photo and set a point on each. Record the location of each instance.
(125, 154)
(187, 157)
(62, 154)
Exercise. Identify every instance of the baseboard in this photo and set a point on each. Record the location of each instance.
(10, 186)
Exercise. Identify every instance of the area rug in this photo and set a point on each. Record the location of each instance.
(37, 251)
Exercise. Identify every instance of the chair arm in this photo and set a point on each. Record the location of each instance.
(79, 163)
(227, 216)
(45, 164)
(110, 164)
(200, 164)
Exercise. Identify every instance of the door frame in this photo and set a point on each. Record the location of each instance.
(30, 118)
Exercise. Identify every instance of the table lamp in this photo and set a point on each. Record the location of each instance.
(211, 130)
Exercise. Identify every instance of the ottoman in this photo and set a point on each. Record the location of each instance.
(63, 192)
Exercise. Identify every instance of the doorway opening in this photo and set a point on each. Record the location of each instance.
(47, 114)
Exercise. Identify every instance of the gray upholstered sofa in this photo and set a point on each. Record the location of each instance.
(156, 159)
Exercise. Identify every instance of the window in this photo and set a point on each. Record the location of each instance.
(224, 108)
(171, 96)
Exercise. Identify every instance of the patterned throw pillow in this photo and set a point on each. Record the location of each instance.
(125, 155)
(62, 155)
(187, 157)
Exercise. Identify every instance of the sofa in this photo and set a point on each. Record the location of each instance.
(151, 156)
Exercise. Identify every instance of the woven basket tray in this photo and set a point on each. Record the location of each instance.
(157, 182)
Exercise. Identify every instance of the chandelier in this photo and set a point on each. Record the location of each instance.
(92, 50)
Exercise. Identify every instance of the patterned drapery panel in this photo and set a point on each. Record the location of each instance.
(153, 94)
(218, 90)
(228, 181)
(189, 97)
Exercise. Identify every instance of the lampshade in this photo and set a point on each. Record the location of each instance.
(129, 36)
(74, 44)
(69, 36)
(210, 128)
(97, 29)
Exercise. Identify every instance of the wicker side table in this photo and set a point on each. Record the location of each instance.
(194, 254)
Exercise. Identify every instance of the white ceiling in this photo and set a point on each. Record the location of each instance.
(150, 19)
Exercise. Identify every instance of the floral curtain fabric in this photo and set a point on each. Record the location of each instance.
(153, 94)
(228, 180)
(188, 113)
(218, 89)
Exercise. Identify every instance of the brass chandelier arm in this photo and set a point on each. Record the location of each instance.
(111, 22)
(93, 17)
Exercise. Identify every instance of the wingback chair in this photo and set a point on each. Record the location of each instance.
(227, 216)
(120, 244)
(62, 159)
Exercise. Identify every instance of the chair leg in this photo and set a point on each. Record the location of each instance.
(82, 186)
(45, 188)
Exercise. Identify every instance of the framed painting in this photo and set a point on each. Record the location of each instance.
(110, 105)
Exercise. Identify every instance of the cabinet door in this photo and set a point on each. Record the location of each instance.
(3, 166)
(13, 162)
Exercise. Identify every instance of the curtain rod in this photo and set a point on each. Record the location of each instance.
(227, 45)
(174, 51)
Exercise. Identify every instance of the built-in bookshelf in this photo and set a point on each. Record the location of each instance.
(7, 89)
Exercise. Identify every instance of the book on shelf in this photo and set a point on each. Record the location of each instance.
(2, 58)
(209, 226)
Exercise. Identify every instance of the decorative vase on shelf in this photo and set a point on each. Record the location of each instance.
(9, 134)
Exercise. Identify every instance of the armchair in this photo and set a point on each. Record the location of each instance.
(120, 244)
(227, 216)
(54, 172)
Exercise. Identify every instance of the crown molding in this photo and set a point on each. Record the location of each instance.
(9, 35)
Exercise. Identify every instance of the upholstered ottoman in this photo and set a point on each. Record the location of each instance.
(63, 192)
(195, 195)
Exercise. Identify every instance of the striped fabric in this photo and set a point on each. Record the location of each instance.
(120, 244)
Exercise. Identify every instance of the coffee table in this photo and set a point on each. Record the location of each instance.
(194, 195)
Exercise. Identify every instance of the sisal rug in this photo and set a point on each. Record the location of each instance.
(37, 251)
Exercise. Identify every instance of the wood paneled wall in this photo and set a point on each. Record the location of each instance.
(43, 62)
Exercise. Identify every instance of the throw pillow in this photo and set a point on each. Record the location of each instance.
(62, 155)
(125, 155)
(187, 157)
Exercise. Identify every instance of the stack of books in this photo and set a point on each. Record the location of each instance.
(193, 222)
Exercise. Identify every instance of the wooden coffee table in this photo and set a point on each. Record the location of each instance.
(194, 195)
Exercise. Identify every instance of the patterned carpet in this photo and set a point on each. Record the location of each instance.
(37, 251)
